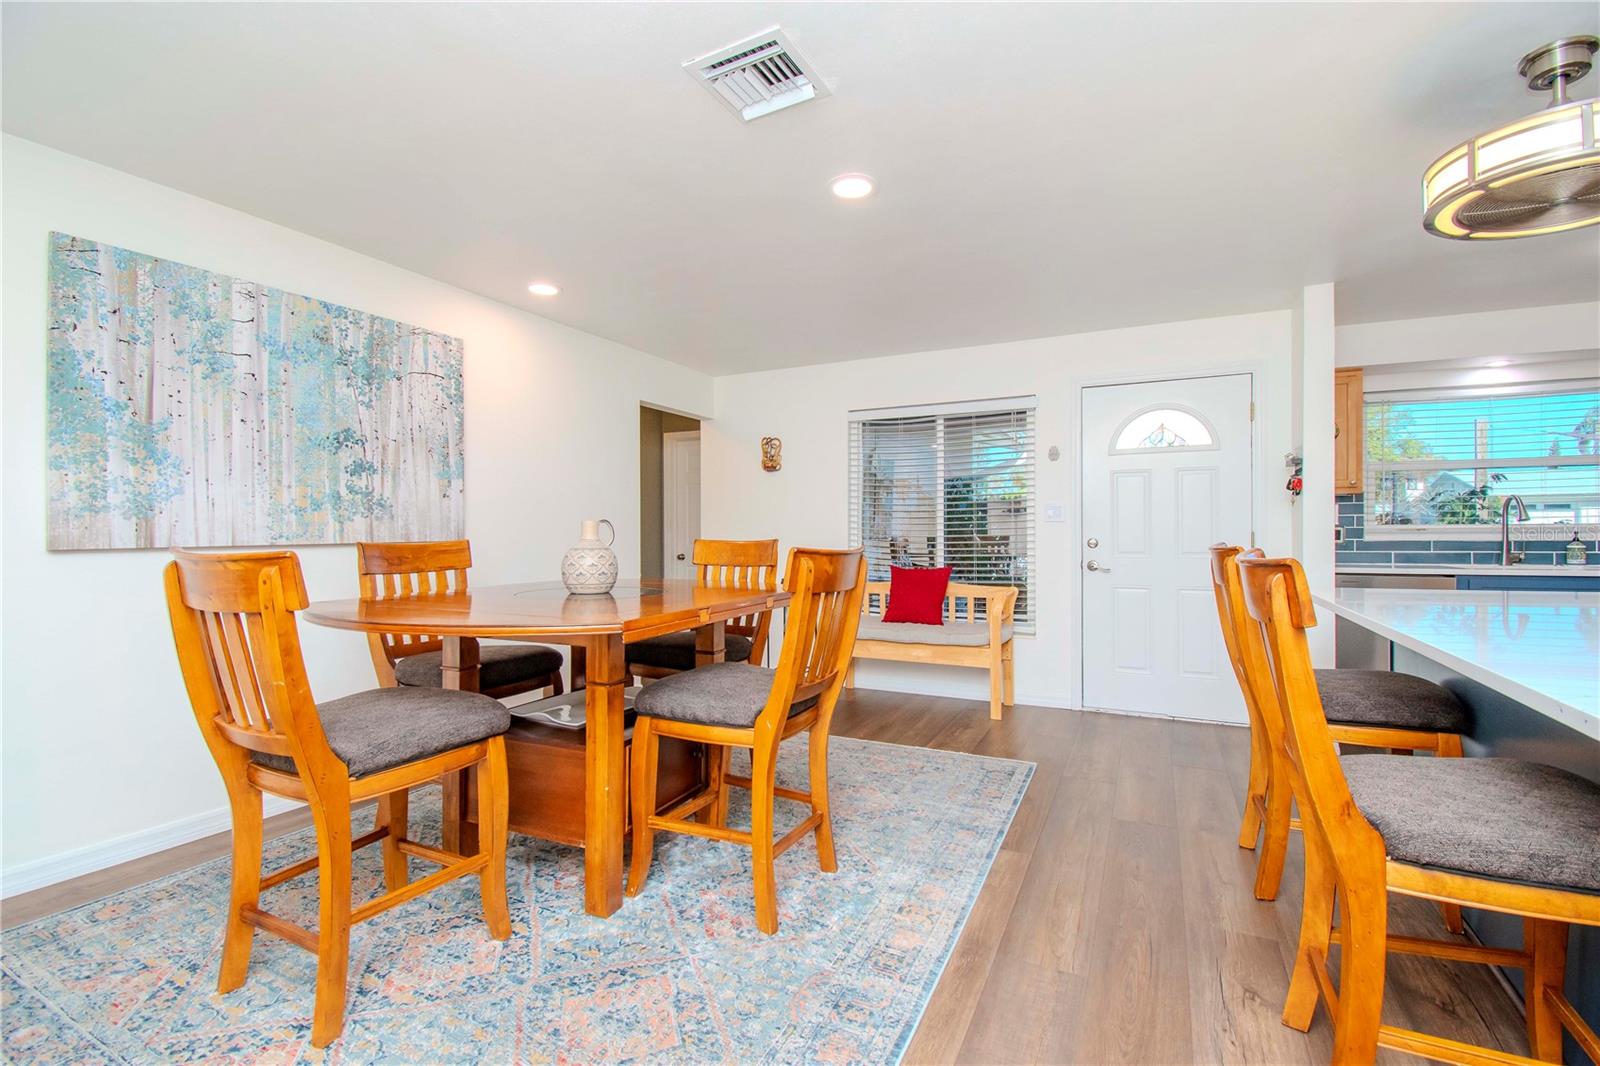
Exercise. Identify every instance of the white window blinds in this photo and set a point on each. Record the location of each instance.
(1451, 460)
(948, 486)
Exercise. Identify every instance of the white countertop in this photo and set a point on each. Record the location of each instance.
(1519, 569)
(1541, 649)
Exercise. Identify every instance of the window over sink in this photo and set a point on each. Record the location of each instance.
(1443, 461)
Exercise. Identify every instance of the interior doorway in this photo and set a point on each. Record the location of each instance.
(669, 491)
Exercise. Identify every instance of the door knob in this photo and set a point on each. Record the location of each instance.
(1092, 565)
(680, 557)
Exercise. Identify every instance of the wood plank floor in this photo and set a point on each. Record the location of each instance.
(1117, 925)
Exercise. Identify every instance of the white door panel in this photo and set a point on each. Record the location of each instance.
(1166, 474)
(680, 502)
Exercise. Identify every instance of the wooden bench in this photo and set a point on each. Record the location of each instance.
(968, 637)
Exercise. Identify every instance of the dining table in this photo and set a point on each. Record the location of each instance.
(597, 628)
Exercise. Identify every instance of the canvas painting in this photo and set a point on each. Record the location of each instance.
(194, 409)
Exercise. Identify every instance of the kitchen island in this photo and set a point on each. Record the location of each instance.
(1527, 665)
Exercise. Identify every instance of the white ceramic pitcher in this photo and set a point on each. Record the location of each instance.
(590, 567)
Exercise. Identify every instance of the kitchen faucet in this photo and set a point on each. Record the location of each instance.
(1507, 556)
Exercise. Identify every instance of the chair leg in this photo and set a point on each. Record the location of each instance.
(1363, 947)
(333, 924)
(493, 814)
(394, 814)
(556, 687)
(1275, 833)
(646, 757)
(1316, 927)
(763, 779)
(237, 936)
(1255, 793)
(717, 781)
(1546, 943)
(1011, 678)
(850, 675)
(817, 746)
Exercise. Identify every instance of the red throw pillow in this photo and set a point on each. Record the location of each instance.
(917, 595)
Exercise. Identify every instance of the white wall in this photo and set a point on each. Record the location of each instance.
(805, 502)
(102, 759)
(1517, 330)
(1315, 511)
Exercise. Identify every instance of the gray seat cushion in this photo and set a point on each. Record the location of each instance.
(1385, 698)
(372, 731)
(730, 694)
(675, 651)
(1498, 818)
(951, 634)
(499, 665)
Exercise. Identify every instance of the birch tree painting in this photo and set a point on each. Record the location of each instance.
(190, 408)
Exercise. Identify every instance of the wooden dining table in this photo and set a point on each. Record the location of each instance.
(597, 628)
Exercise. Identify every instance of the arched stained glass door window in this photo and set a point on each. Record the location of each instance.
(1160, 428)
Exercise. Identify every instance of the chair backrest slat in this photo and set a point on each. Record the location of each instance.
(238, 646)
(406, 570)
(740, 564)
(826, 589)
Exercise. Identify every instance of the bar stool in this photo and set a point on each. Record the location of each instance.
(742, 564)
(1497, 834)
(1374, 708)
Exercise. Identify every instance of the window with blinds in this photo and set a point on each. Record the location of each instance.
(947, 486)
(1442, 460)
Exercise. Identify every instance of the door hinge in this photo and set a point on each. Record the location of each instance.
(1252, 410)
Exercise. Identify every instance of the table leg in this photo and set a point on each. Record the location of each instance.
(604, 778)
(709, 643)
(459, 670)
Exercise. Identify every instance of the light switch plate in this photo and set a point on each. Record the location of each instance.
(1055, 512)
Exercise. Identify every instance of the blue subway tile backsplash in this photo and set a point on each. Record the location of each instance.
(1354, 549)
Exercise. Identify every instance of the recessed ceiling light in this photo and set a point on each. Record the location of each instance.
(1499, 362)
(544, 288)
(852, 186)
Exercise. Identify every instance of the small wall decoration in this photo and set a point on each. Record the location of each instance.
(196, 409)
(771, 454)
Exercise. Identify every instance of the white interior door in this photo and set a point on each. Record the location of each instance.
(1167, 472)
(680, 502)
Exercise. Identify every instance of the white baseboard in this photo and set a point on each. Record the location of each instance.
(53, 869)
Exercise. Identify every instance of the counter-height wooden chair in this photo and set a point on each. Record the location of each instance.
(233, 620)
(737, 705)
(722, 564)
(431, 568)
(1497, 834)
(1373, 708)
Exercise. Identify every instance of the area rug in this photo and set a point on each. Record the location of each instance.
(679, 974)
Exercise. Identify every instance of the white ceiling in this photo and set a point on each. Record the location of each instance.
(1042, 169)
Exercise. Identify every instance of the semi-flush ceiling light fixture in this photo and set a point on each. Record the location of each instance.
(852, 186)
(544, 288)
(1540, 174)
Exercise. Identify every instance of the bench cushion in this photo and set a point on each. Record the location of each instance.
(1388, 698)
(1499, 818)
(675, 651)
(730, 694)
(951, 634)
(387, 727)
(499, 665)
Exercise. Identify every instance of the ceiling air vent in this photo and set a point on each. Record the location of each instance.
(758, 75)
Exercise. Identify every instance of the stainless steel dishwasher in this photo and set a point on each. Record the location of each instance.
(1356, 647)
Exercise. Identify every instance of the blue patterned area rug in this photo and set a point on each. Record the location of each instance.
(680, 974)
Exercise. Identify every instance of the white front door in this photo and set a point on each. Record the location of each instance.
(1166, 474)
(680, 502)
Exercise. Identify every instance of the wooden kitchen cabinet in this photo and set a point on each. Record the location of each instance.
(1348, 434)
